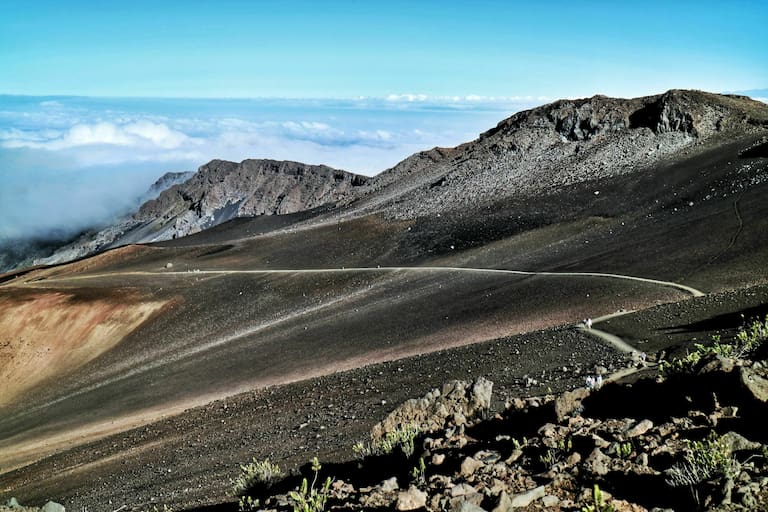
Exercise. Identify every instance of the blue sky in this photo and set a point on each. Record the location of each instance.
(250, 48)
(99, 98)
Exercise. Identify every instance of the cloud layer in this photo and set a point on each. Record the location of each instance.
(74, 163)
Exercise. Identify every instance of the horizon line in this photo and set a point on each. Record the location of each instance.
(393, 97)
(408, 98)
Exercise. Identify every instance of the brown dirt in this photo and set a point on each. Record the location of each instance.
(50, 334)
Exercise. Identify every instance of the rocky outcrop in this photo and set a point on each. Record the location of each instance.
(456, 402)
(163, 183)
(222, 190)
(560, 144)
(219, 191)
(653, 444)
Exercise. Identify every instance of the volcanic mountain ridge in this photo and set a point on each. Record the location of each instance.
(286, 335)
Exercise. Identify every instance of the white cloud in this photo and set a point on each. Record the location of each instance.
(69, 164)
(136, 134)
(407, 97)
(159, 134)
(469, 98)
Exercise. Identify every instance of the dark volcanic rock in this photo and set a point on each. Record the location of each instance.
(563, 143)
(222, 190)
(218, 192)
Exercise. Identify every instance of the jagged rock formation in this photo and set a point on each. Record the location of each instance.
(565, 142)
(222, 190)
(219, 191)
(163, 183)
(457, 401)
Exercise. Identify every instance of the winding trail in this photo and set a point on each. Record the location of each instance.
(613, 340)
(687, 289)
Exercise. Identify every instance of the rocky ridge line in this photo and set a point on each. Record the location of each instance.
(569, 141)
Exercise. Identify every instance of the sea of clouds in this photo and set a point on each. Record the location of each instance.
(73, 163)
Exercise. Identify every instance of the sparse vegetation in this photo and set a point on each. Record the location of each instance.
(254, 474)
(704, 460)
(518, 444)
(309, 498)
(419, 473)
(554, 456)
(746, 342)
(624, 450)
(598, 502)
(402, 438)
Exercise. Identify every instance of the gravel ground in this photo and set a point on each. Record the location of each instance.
(188, 460)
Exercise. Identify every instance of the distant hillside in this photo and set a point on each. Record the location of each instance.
(219, 191)
(27, 251)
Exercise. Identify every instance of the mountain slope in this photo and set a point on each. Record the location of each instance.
(217, 192)
(53, 248)
(559, 144)
(400, 273)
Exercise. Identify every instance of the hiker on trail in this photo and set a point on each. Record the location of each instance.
(588, 323)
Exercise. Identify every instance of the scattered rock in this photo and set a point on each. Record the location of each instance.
(597, 462)
(639, 429)
(550, 501)
(504, 504)
(755, 383)
(466, 506)
(569, 402)
(461, 490)
(470, 465)
(52, 506)
(526, 498)
(738, 443)
(390, 485)
(412, 499)
(717, 364)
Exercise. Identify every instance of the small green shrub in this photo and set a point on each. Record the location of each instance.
(518, 444)
(624, 450)
(598, 502)
(419, 473)
(704, 460)
(254, 474)
(308, 498)
(257, 472)
(247, 503)
(752, 337)
(554, 456)
(402, 438)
